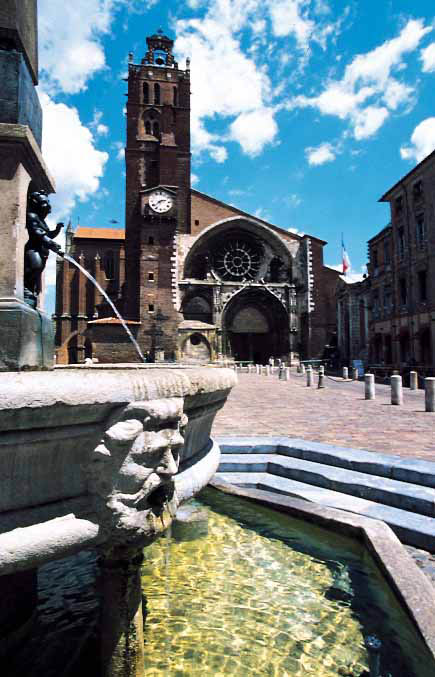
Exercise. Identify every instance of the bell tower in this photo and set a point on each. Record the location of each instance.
(157, 157)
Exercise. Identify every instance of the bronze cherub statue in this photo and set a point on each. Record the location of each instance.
(39, 244)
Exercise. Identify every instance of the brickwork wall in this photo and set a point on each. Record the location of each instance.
(412, 255)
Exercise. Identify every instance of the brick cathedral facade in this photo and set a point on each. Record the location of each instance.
(196, 279)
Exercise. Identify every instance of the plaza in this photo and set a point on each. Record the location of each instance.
(337, 414)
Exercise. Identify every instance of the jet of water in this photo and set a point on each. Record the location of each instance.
(115, 310)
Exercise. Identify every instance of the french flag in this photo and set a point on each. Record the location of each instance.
(344, 257)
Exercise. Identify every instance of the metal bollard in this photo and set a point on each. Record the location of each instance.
(369, 386)
(345, 373)
(413, 380)
(396, 389)
(309, 377)
(321, 383)
(429, 393)
(373, 646)
(355, 374)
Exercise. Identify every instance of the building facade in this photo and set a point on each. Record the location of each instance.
(196, 279)
(353, 314)
(402, 273)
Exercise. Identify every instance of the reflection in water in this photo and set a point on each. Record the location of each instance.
(66, 619)
(109, 301)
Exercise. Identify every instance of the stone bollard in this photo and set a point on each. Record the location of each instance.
(257, 369)
(429, 393)
(413, 380)
(321, 382)
(355, 374)
(369, 386)
(267, 370)
(287, 374)
(309, 377)
(249, 368)
(396, 389)
(302, 368)
(345, 373)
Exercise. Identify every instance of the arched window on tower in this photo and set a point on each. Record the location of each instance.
(146, 92)
(156, 130)
(147, 127)
(156, 93)
(109, 265)
(175, 96)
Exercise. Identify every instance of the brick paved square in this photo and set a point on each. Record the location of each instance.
(337, 414)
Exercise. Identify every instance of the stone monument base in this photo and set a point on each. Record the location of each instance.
(27, 337)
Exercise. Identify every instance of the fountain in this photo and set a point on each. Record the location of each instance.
(96, 458)
(91, 458)
(109, 301)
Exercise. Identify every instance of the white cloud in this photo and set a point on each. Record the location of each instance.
(428, 58)
(368, 90)
(262, 214)
(194, 179)
(70, 42)
(320, 154)
(69, 151)
(422, 141)
(368, 121)
(120, 150)
(217, 69)
(255, 129)
(288, 18)
(229, 83)
(296, 231)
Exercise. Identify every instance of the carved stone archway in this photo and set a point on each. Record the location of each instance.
(255, 326)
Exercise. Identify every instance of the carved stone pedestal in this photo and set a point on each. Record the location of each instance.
(121, 626)
(27, 336)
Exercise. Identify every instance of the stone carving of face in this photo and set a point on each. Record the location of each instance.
(133, 465)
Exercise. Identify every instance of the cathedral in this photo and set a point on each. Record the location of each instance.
(197, 280)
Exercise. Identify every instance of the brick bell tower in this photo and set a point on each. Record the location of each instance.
(157, 157)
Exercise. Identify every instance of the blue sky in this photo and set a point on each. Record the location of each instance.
(304, 112)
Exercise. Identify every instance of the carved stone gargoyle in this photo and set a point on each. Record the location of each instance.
(131, 470)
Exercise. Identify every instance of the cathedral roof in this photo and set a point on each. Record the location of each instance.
(101, 233)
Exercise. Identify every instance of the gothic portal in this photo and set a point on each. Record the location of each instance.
(196, 279)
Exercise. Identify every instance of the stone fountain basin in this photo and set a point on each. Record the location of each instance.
(63, 488)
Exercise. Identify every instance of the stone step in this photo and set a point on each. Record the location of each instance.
(411, 528)
(403, 495)
(415, 471)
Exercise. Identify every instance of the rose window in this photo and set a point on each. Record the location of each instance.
(237, 260)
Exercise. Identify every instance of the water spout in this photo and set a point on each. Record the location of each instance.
(109, 301)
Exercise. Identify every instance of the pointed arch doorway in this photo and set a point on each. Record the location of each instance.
(255, 327)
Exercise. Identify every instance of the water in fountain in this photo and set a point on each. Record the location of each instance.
(115, 310)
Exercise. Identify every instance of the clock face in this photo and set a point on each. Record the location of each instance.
(160, 201)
